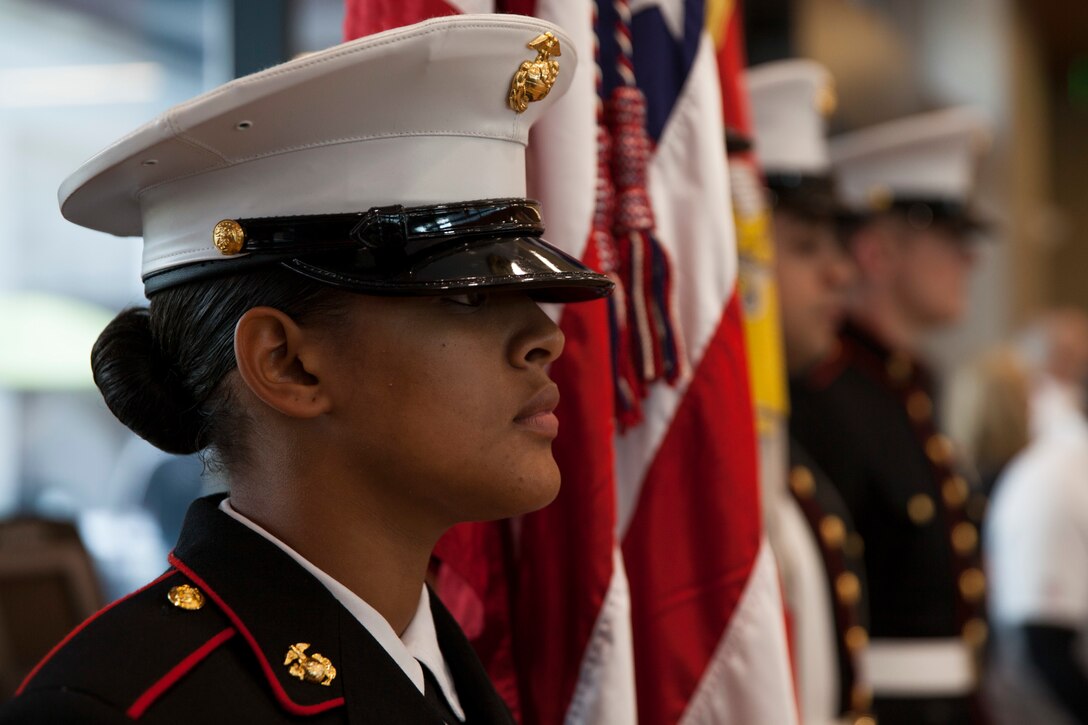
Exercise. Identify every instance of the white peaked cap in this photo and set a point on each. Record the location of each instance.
(790, 102)
(932, 157)
(413, 116)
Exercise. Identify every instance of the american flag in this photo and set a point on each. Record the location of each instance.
(647, 592)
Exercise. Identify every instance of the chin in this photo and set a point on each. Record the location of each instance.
(534, 492)
(517, 492)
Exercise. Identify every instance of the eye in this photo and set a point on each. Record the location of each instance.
(467, 299)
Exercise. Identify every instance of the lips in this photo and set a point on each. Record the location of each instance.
(538, 413)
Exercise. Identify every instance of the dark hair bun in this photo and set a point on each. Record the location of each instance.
(139, 389)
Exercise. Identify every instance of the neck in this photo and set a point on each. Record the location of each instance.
(345, 533)
(877, 312)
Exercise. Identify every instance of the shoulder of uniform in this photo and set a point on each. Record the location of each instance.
(60, 707)
(131, 652)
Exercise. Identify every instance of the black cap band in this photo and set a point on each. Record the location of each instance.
(396, 250)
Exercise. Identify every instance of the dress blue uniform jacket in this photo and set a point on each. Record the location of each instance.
(144, 659)
(866, 417)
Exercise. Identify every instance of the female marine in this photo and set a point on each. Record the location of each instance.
(343, 276)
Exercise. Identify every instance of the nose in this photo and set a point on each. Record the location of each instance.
(539, 340)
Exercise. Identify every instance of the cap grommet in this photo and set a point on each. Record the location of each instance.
(228, 237)
(243, 125)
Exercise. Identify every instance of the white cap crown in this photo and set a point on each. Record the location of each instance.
(791, 100)
(929, 157)
(414, 116)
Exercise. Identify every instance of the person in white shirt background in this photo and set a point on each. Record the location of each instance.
(1036, 539)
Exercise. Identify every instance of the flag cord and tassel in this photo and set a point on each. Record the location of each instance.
(646, 347)
(625, 382)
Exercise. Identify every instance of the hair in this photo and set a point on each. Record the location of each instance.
(986, 403)
(162, 369)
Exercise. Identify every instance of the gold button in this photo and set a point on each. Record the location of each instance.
(832, 531)
(939, 449)
(228, 237)
(854, 546)
(920, 508)
(899, 367)
(185, 596)
(861, 698)
(972, 584)
(975, 632)
(802, 482)
(964, 538)
(919, 406)
(856, 639)
(848, 588)
(954, 491)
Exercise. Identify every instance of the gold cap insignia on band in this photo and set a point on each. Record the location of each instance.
(228, 237)
(184, 596)
(880, 197)
(309, 667)
(535, 78)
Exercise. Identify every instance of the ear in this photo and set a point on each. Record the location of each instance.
(272, 353)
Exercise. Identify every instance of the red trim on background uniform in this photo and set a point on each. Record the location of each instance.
(153, 693)
(281, 695)
(83, 626)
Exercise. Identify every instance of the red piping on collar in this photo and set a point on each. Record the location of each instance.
(153, 693)
(284, 699)
(81, 627)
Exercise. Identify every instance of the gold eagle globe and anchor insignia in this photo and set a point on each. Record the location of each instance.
(535, 78)
(186, 597)
(309, 667)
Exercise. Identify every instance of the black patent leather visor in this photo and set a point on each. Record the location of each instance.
(494, 244)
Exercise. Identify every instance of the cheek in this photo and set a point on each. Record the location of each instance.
(798, 287)
(437, 395)
(936, 282)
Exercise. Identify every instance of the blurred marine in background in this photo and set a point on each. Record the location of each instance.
(867, 415)
(816, 543)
